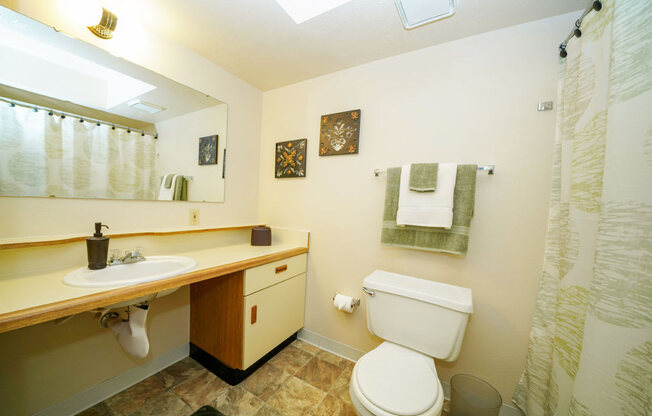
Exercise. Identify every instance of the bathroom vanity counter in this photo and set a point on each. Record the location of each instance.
(39, 297)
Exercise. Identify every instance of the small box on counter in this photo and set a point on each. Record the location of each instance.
(261, 236)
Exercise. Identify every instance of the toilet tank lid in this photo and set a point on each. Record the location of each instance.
(442, 294)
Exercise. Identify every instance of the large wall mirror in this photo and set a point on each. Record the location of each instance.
(78, 122)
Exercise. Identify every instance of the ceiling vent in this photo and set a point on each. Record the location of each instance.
(145, 106)
(415, 13)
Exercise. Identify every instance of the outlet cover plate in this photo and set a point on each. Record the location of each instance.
(194, 216)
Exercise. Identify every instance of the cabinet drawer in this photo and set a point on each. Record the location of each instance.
(271, 316)
(260, 277)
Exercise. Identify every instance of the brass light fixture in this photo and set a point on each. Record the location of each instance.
(107, 25)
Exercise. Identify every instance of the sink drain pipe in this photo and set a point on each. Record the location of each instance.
(130, 333)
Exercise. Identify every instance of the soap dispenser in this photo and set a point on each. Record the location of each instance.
(97, 248)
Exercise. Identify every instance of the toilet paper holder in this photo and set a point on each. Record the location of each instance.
(354, 302)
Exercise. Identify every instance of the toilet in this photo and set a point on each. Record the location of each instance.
(419, 320)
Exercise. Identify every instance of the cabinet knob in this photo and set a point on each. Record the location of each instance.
(282, 268)
(254, 314)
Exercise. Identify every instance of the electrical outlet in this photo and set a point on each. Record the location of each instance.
(194, 216)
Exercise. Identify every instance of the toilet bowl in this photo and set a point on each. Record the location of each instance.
(393, 380)
(418, 320)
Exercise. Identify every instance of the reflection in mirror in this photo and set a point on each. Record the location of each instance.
(77, 122)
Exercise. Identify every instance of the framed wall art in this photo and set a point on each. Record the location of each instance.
(208, 150)
(290, 159)
(340, 133)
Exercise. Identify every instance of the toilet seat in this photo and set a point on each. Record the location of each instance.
(393, 380)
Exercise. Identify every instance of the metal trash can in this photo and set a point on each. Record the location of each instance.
(471, 396)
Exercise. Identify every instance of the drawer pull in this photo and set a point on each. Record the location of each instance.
(254, 314)
(282, 268)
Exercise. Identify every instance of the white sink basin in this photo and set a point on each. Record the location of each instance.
(154, 268)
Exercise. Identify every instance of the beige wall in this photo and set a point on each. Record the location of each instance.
(42, 216)
(468, 101)
(177, 150)
(43, 364)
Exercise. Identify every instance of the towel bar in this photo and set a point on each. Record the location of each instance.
(489, 168)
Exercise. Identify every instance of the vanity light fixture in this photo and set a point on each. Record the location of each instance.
(108, 22)
(102, 22)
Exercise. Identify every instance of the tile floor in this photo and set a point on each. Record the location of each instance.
(300, 380)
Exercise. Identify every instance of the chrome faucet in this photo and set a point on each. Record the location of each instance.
(130, 256)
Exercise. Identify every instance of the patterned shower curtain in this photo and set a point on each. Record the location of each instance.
(590, 349)
(42, 155)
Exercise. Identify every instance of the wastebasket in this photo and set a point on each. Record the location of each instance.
(471, 396)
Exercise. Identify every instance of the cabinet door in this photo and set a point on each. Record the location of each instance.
(272, 315)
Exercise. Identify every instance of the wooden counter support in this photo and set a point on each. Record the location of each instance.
(31, 316)
(216, 317)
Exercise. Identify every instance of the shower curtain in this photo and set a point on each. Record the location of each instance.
(43, 155)
(590, 350)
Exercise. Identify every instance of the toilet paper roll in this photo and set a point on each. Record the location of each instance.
(343, 303)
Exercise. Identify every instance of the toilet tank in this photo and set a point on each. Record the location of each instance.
(426, 316)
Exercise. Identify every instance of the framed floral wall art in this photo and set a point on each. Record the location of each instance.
(208, 150)
(340, 133)
(290, 159)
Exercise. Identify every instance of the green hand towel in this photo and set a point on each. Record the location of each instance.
(423, 177)
(181, 189)
(168, 181)
(452, 241)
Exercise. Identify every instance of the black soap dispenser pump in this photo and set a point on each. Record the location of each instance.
(97, 248)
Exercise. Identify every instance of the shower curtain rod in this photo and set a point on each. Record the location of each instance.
(488, 168)
(577, 32)
(63, 114)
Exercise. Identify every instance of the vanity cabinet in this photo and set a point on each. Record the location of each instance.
(238, 319)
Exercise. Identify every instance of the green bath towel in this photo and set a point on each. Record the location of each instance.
(452, 241)
(423, 177)
(180, 188)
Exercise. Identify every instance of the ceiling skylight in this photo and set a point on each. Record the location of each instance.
(302, 10)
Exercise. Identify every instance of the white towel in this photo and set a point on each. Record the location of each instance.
(167, 194)
(427, 209)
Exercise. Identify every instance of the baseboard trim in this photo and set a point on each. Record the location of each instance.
(93, 395)
(353, 354)
(330, 345)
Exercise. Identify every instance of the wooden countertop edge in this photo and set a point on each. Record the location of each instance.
(43, 313)
(40, 243)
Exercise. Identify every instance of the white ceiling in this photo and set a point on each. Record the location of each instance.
(258, 42)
